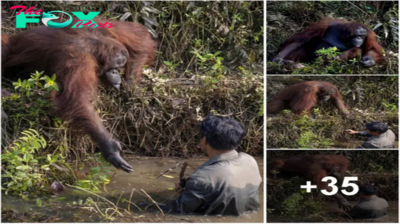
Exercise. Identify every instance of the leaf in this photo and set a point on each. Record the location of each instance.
(44, 167)
(386, 31)
(125, 16)
(170, 188)
(168, 176)
(84, 181)
(252, 57)
(23, 167)
(377, 26)
(39, 202)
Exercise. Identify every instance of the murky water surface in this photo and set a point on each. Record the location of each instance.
(70, 206)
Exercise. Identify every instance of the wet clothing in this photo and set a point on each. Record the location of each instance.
(224, 185)
(373, 207)
(384, 140)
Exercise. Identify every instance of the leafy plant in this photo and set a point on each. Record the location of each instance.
(328, 62)
(292, 204)
(390, 24)
(212, 64)
(309, 139)
(34, 83)
(98, 176)
(297, 205)
(31, 102)
(316, 111)
(234, 28)
(171, 65)
(391, 107)
(329, 53)
(23, 167)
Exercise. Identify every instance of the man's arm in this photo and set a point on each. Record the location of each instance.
(363, 133)
(192, 198)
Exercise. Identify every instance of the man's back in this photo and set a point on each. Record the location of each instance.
(384, 140)
(373, 207)
(227, 184)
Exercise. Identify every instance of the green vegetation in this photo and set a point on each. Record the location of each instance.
(286, 198)
(23, 170)
(209, 61)
(368, 99)
(298, 205)
(98, 175)
(284, 19)
(28, 166)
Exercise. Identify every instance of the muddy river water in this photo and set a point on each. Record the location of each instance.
(73, 206)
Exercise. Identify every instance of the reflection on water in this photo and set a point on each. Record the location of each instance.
(66, 208)
(333, 214)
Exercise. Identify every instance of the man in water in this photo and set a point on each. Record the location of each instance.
(380, 136)
(370, 206)
(227, 184)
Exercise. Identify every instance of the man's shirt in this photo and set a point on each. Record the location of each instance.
(384, 140)
(373, 207)
(224, 185)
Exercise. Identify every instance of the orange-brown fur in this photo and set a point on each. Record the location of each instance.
(302, 97)
(77, 56)
(308, 166)
(313, 168)
(317, 30)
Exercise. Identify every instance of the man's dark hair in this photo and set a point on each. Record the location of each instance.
(379, 127)
(222, 133)
(369, 189)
